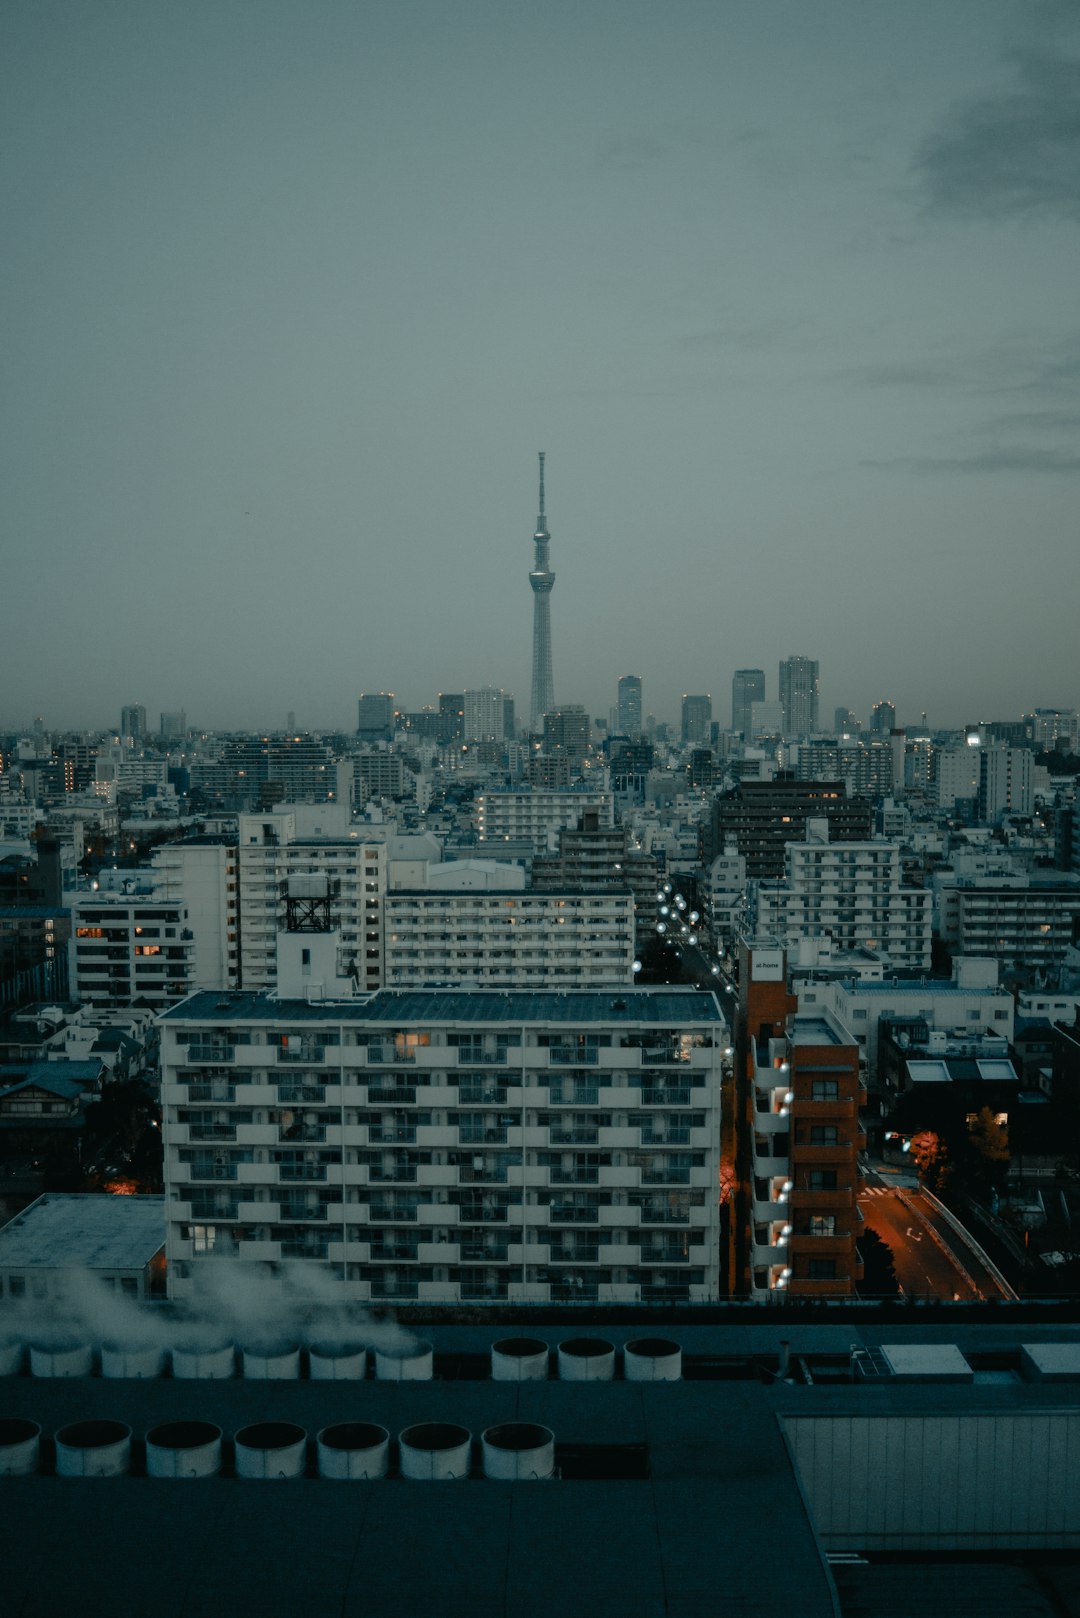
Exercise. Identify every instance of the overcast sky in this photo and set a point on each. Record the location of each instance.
(789, 293)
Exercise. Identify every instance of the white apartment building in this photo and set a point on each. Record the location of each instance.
(509, 938)
(537, 816)
(300, 840)
(521, 1147)
(130, 947)
(1006, 783)
(849, 892)
(971, 1002)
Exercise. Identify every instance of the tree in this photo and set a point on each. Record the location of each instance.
(931, 1158)
(989, 1143)
(879, 1274)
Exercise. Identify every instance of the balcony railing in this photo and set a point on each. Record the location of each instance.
(384, 1213)
(211, 1053)
(399, 1135)
(567, 1214)
(573, 1056)
(293, 1213)
(301, 1053)
(301, 1172)
(211, 1131)
(477, 1135)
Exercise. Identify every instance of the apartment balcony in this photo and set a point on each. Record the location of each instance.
(392, 1134)
(664, 1256)
(294, 1213)
(573, 1056)
(824, 1156)
(620, 1174)
(351, 1252)
(257, 1135)
(302, 1173)
(661, 1214)
(203, 1132)
(292, 1095)
(218, 1054)
(568, 1214)
(294, 1135)
(619, 1096)
(309, 1054)
(625, 1138)
(258, 1213)
(530, 1252)
(437, 1213)
(437, 1174)
(265, 1251)
(621, 1214)
(394, 1174)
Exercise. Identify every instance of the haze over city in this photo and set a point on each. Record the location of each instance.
(294, 295)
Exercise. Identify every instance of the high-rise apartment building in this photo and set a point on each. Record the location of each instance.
(173, 726)
(882, 718)
(133, 722)
(696, 720)
(451, 717)
(845, 722)
(799, 695)
(542, 582)
(761, 817)
(628, 714)
(1006, 783)
(485, 714)
(523, 1147)
(567, 730)
(747, 686)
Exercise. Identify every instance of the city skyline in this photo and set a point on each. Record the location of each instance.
(787, 295)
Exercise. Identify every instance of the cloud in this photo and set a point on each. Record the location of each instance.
(1014, 153)
(1002, 458)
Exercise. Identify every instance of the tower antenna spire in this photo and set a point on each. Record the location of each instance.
(541, 483)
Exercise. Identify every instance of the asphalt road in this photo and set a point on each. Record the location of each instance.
(931, 1260)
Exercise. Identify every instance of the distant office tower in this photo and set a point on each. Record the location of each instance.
(629, 710)
(485, 714)
(509, 718)
(799, 695)
(1006, 783)
(845, 722)
(451, 717)
(696, 719)
(133, 721)
(174, 725)
(567, 730)
(542, 580)
(882, 718)
(747, 686)
(375, 716)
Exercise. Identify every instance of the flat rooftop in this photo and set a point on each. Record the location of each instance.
(816, 1031)
(664, 1007)
(84, 1230)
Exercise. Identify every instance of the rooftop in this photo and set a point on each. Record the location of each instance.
(519, 1006)
(84, 1230)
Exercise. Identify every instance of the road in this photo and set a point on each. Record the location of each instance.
(931, 1260)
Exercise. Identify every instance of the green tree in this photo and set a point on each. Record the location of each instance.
(931, 1158)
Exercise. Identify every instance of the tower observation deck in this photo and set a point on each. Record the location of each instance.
(542, 579)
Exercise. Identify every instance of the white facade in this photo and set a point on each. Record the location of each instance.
(509, 938)
(1006, 783)
(295, 842)
(127, 947)
(524, 1147)
(537, 816)
(851, 893)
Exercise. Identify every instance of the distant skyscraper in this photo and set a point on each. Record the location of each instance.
(542, 579)
(174, 725)
(799, 695)
(485, 714)
(133, 721)
(844, 722)
(696, 719)
(375, 716)
(567, 730)
(882, 718)
(747, 686)
(629, 711)
(451, 717)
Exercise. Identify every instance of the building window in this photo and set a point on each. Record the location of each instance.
(823, 1135)
(822, 1180)
(822, 1269)
(824, 1090)
(823, 1224)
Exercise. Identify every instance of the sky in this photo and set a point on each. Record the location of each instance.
(292, 294)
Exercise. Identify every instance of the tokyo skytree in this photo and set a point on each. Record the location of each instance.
(542, 579)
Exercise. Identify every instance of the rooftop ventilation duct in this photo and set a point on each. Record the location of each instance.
(519, 1359)
(337, 1362)
(271, 1450)
(518, 1451)
(586, 1359)
(61, 1359)
(212, 1362)
(413, 1364)
(183, 1449)
(93, 1449)
(652, 1359)
(353, 1451)
(435, 1452)
(20, 1447)
(271, 1362)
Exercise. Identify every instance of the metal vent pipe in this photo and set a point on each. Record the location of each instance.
(61, 1359)
(278, 1362)
(413, 1364)
(129, 1360)
(212, 1362)
(337, 1362)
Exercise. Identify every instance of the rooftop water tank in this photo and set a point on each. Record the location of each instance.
(131, 1360)
(353, 1450)
(519, 1359)
(518, 1450)
(183, 1449)
(205, 1362)
(20, 1444)
(93, 1449)
(61, 1359)
(586, 1359)
(435, 1452)
(11, 1359)
(337, 1362)
(413, 1364)
(271, 1361)
(271, 1449)
(652, 1359)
